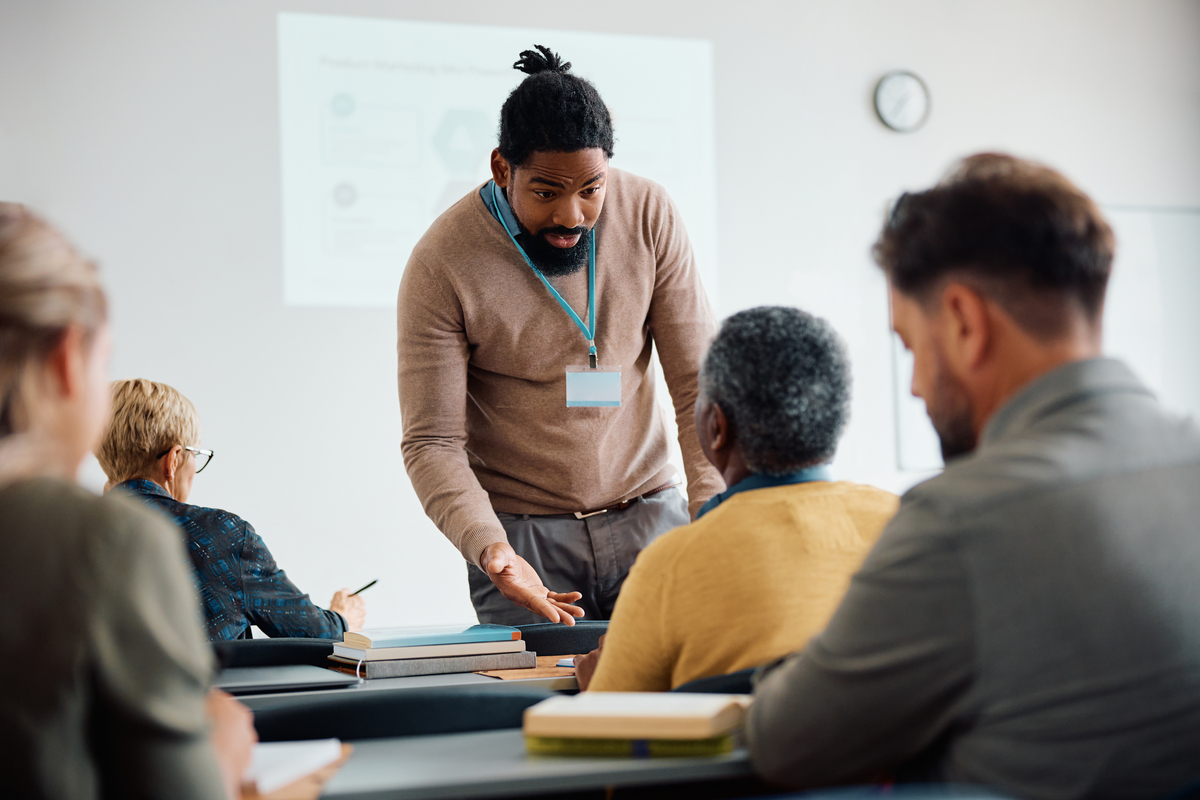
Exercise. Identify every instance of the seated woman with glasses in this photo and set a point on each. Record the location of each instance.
(150, 450)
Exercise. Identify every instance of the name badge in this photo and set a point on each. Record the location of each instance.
(593, 387)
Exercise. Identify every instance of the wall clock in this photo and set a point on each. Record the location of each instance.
(902, 101)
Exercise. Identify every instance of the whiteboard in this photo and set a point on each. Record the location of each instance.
(1151, 322)
(385, 123)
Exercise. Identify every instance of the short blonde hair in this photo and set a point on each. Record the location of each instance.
(147, 418)
(45, 287)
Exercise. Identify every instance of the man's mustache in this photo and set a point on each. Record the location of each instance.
(559, 230)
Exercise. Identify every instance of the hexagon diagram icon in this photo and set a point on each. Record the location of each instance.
(461, 140)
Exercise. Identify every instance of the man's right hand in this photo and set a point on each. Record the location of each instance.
(520, 584)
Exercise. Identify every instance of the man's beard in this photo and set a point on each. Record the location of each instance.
(555, 262)
(951, 414)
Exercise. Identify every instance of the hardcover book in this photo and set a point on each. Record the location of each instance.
(429, 650)
(409, 667)
(637, 715)
(429, 634)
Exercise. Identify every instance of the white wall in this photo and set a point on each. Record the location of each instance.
(148, 129)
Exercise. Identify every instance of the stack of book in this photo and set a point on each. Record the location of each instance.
(637, 724)
(432, 650)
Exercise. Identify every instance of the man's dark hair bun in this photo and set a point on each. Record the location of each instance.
(542, 59)
(552, 110)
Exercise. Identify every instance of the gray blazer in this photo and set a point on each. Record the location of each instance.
(1030, 619)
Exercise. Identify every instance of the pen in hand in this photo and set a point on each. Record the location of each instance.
(363, 589)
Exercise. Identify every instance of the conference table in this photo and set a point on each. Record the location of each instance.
(495, 764)
(490, 763)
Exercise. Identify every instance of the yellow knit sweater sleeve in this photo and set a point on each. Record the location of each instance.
(639, 650)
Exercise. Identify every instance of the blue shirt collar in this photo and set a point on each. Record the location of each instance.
(818, 473)
(501, 208)
(142, 486)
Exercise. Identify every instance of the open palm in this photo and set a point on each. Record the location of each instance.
(520, 584)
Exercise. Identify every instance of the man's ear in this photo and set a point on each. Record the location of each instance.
(718, 427)
(966, 327)
(501, 169)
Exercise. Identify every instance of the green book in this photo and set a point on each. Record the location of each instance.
(629, 748)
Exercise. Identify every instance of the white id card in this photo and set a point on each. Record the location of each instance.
(593, 387)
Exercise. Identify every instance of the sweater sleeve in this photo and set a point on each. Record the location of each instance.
(639, 653)
(274, 603)
(884, 680)
(432, 353)
(682, 324)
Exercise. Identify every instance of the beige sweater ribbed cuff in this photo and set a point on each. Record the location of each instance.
(476, 538)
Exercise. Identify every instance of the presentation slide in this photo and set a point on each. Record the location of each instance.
(386, 123)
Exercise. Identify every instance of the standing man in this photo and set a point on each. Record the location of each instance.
(526, 319)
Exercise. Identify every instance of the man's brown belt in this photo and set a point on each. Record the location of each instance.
(624, 504)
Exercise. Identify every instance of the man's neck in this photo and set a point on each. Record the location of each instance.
(1031, 363)
(735, 470)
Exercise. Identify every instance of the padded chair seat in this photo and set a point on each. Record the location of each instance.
(555, 639)
(733, 683)
(377, 714)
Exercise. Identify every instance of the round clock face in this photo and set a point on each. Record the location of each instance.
(902, 101)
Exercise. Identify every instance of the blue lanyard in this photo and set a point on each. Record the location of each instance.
(589, 330)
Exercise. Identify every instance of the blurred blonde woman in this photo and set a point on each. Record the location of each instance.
(104, 667)
(152, 451)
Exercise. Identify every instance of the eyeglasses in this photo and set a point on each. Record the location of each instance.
(202, 457)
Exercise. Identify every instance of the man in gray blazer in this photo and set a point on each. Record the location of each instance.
(1030, 619)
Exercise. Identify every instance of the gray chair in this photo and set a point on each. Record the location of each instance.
(273, 652)
(381, 713)
(554, 639)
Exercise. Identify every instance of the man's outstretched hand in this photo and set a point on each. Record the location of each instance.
(519, 583)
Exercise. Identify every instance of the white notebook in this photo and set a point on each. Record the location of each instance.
(274, 765)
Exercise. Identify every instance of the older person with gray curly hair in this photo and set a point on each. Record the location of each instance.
(774, 400)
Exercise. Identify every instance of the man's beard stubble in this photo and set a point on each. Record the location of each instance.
(951, 414)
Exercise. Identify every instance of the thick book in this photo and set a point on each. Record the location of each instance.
(429, 650)
(429, 635)
(629, 748)
(637, 715)
(409, 667)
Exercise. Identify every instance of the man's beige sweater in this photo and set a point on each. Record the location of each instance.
(482, 354)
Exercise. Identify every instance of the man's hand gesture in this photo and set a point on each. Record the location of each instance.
(520, 584)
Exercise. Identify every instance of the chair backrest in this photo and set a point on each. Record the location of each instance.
(554, 639)
(733, 683)
(273, 652)
(896, 792)
(381, 713)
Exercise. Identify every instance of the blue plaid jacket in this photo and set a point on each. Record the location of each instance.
(239, 582)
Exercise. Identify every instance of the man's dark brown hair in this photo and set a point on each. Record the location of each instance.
(1018, 232)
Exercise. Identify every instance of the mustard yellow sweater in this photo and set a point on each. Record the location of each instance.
(752, 580)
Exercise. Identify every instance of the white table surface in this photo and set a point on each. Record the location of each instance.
(495, 764)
